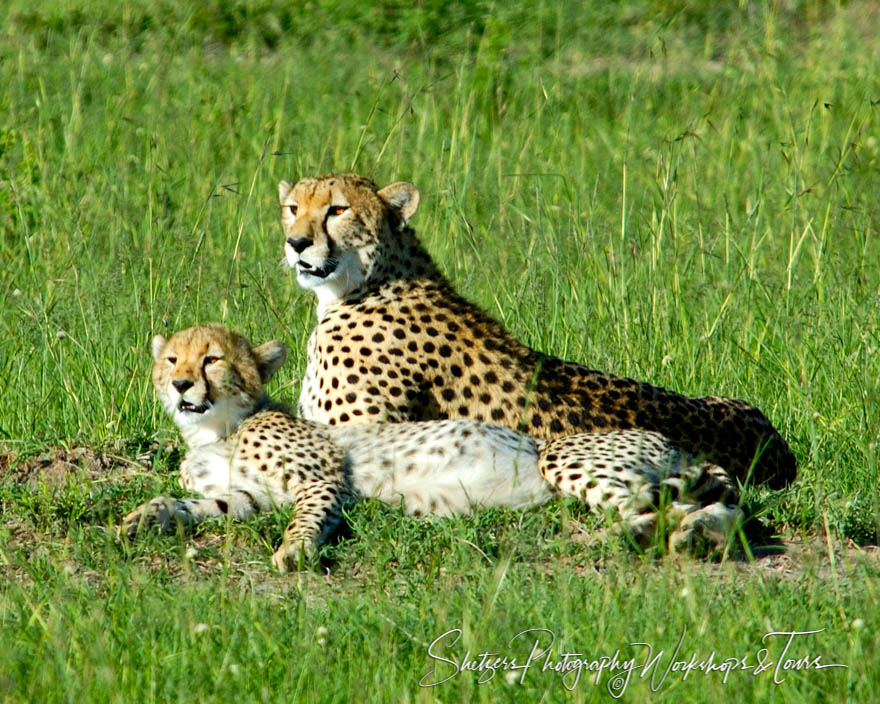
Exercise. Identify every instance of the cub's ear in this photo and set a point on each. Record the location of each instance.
(270, 356)
(283, 189)
(157, 345)
(403, 196)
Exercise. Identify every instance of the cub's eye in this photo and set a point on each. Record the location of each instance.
(292, 209)
(211, 360)
(337, 209)
(171, 360)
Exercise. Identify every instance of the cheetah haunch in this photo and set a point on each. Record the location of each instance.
(247, 454)
(395, 342)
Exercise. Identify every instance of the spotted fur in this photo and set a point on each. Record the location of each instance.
(648, 483)
(395, 342)
(247, 454)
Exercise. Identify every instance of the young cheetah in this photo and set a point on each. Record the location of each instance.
(248, 454)
(394, 342)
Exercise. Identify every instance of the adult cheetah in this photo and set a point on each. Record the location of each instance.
(248, 454)
(395, 342)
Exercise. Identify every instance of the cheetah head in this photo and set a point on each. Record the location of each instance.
(334, 227)
(209, 378)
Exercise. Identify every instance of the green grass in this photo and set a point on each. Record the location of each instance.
(685, 193)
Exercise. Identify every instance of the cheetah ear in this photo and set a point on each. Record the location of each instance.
(403, 196)
(270, 356)
(284, 188)
(157, 345)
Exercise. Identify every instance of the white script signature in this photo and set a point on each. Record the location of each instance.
(533, 650)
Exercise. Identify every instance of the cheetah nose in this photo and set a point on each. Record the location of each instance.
(299, 244)
(181, 385)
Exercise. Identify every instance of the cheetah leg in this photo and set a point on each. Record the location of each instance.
(700, 483)
(705, 515)
(318, 510)
(167, 513)
(645, 480)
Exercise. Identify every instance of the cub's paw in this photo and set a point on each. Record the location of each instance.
(639, 528)
(294, 556)
(706, 531)
(162, 513)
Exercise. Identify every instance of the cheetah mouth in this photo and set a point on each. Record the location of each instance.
(306, 269)
(187, 407)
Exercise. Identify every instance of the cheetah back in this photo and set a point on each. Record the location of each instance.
(424, 353)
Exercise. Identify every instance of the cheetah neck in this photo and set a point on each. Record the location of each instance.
(401, 261)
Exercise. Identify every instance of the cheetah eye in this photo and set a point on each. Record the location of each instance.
(337, 209)
(292, 209)
(211, 360)
(171, 360)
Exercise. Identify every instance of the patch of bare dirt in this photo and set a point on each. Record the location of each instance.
(58, 465)
(824, 556)
(815, 556)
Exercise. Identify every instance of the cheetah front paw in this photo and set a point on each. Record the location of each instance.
(706, 531)
(161, 513)
(293, 556)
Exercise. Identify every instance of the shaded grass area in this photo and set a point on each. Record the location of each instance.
(683, 193)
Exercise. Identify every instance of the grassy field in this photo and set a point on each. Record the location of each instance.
(681, 192)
